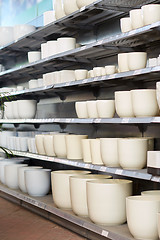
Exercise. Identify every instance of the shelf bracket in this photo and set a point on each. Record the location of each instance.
(36, 125)
(96, 91)
(142, 128)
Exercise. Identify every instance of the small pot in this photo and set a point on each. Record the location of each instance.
(74, 146)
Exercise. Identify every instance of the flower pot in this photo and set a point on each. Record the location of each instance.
(74, 146)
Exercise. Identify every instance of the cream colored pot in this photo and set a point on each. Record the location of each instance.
(92, 109)
(151, 13)
(107, 200)
(136, 18)
(48, 145)
(78, 192)
(123, 62)
(61, 187)
(40, 144)
(123, 104)
(86, 150)
(70, 6)
(60, 147)
(82, 3)
(142, 216)
(81, 109)
(74, 146)
(106, 108)
(151, 193)
(125, 24)
(58, 6)
(137, 60)
(95, 152)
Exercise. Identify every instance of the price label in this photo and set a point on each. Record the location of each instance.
(125, 120)
(98, 120)
(67, 84)
(112, 76)
(82, 9)
(119, 171)
(155, 179)
(83, 48)
(100, 42)
(136, 72)
(84, 81)
(95, 79)
(57, 119)
(68, 120)
(105, 233)
(103, 169)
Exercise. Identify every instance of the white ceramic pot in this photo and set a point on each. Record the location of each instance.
(67, 76)
(110, 69)
(22, 30)
(153, 159)
(48, 17)
(23, 144)
(97, 71)
(48, 79)
(52, 47)
(40, 144)
(40, 82)
(81, 109)
(106, 108)
(109, 152)
(123, 62)
(11, 175)
(70, 6)
(86, 150)
(33, 83)
(151, 193)
(82, 3)
(20, 88)
(34, 56)
(92, 109)
(31, 142)
(21, 178)
(79, 194)
(59, 141)
(132, 153)
(107, 200)
(91, 74)
(96, 152)
(144, 103)
(142, 216)
(3, 163)
(151, 13)
(48, 145)
(15, 110)
(123, 104)
(81, 74)
(158, 223)
(57, 77)
(37, 181)
(44, 50)
(7, 35)
(158, 93)
(137, 60)
(74, 146)
(66, 44)
(136, 17)
(17, 144)
(59, 9)
(61, 187)
(8, 110)
(4, 137)
(30, 107)
(125, 24)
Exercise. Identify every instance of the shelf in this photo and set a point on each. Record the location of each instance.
(138, 174)
(83, 20)
(88, 229)
(86, 55)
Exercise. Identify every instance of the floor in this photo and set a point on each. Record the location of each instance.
(17, 223)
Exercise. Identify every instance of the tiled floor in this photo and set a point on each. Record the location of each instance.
(17, 223)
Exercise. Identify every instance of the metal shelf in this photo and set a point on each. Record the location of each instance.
(86, 55)
(46, 207)
(138, 174)
(83, 20)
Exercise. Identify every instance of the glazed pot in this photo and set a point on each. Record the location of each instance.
(37, 181)
(52, 48)
(142, 216)
(110, 69)
(3, 163)
(81, 74)
(7, 35)
(59, 142)
(82, 3)
(67, 76)
(106, 200)
(11, 175)
(48, 17)
(137, 60)
(70, 6)
(92, 109)
(33, 83)
(106, 108)
(66, 44)
(81, 109)
(48, 145)
(123, 104)
(22, 30)
(30, 107)
(86, 150)
(123, 62)
(4, 137)
(34, 56)
(21, 178)
(15, 110)
(23, 144)
(125, 24)
(74, 146)
(44, 50)
(144, 103)
(136, 17)
(109, 152)
(40, 144)
(8, 110)
(96, 152)
(59, 8)
(61, 187)
(78, 192)
(151, 193)
(151, 13)
(132, 153)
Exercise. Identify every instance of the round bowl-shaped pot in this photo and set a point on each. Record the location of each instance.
(151, 193)
(15, 110)
(81, 109)
(92, 109)
(136, 18)
(123, 62)
(132, 153)
(86, 150)
(144, 102)
(137, 60)
(11, 175)
(142, 216)
(59, 9)
(61, 187)
(110, 69)
(52, 47)
(7, 35)
(70, 6)
(109, 152)
(34, 56)
(8, 110)
(21, 178)
(123, 104)
(48, 145)
(22, 30)
(74, 146)
(96, 152)
(81, 74)
(106, 108)
(106, 200)
(125, 24)
(97, 71)
(78, 192)
(3, 163)
(37, 181)
(40, 144)
(60, 147)
(66, 44)
(30, 107)
(82, 3)
(67, 76)
(151, 13)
